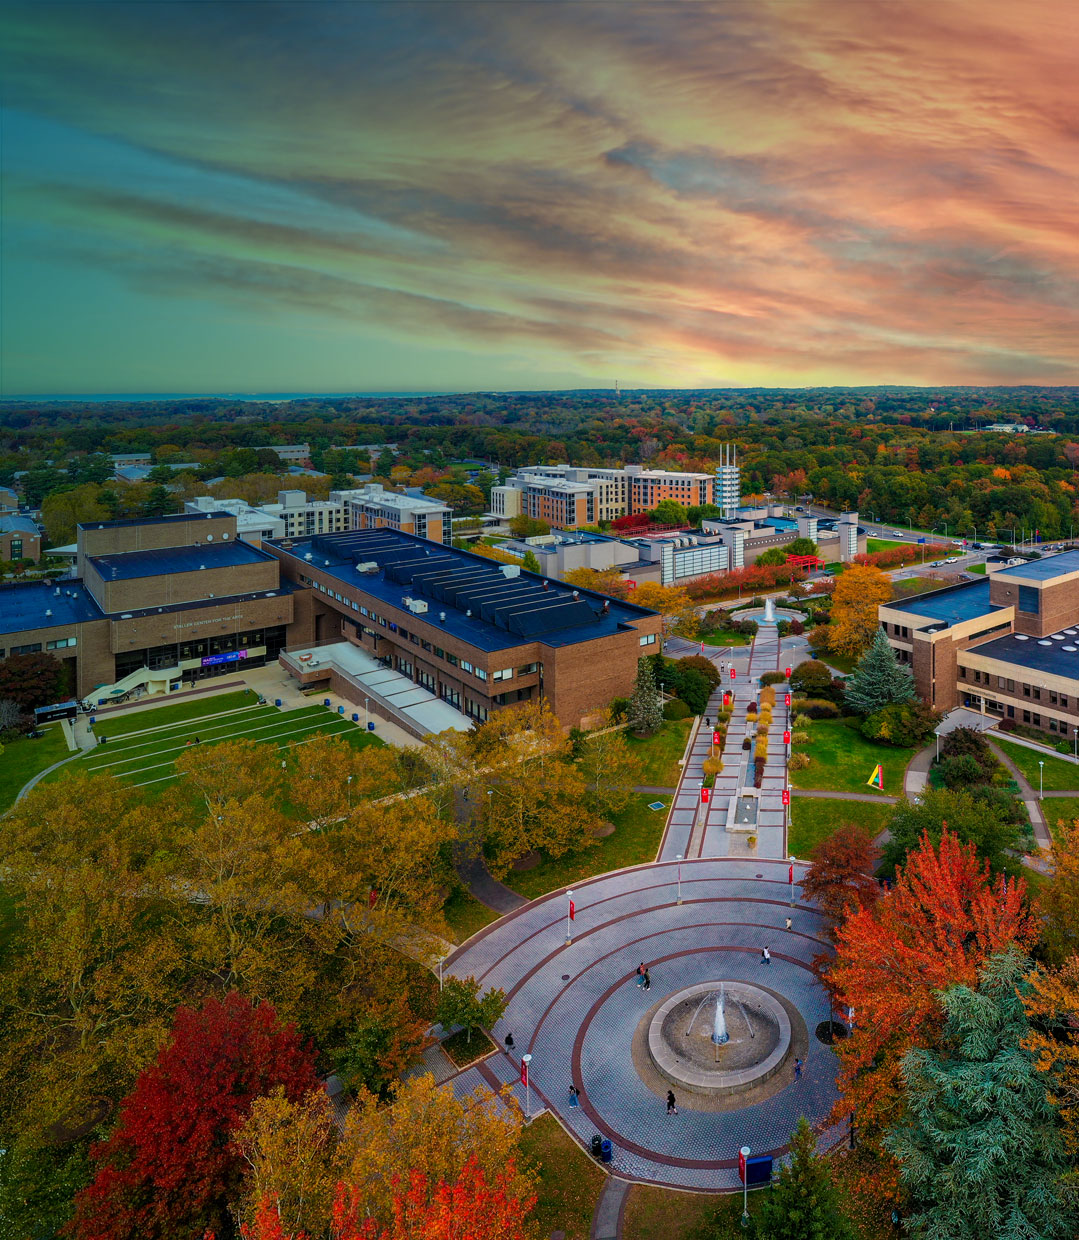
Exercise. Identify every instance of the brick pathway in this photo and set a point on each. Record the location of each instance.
(575, 1008)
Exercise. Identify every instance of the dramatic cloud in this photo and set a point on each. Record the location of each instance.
(311, 196)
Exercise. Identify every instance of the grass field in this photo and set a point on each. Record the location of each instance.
(569, 1181)
(175, 712)
(465, 915)
(148, 758)
(886, 544)
(841, 760)
(659, 754)
(838, 662)
(1057, 808)
(23, 759)
(633, 843)
(976, 568)
(1058, 776)
(659, 1214)
(813, 820)
(722, 637)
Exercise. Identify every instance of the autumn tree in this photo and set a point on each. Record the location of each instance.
(841, 877)
(858, 592)
(1051, 998)
(462, 1002)
(31, 680)
(671, 600)
(979, 1150)
(62, 511)
(941, 921)
(610, 770)
(1058, 901)
(170, 1167)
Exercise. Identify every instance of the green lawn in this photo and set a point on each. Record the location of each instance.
(722, 637)
(837, 662)
(1057, 808)
(841, 760)
(813, 820)
(976, 568)
(873, 545)
(177, 712)
(569, 1180)
(659, 754)
(634, 842)
(1059, 776)
(148, 760)
(23, 759)
(660, 1214)
(465, 915)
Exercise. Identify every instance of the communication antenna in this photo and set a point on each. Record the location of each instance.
(617, 390)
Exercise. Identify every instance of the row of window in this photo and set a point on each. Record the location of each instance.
(1030, 691)
(648, 639)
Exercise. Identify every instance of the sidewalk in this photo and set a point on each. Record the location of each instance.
(1029, 797)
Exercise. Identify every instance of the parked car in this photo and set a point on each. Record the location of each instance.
(952, 559)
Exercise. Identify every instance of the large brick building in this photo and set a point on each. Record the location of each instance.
(1007, 645)
(158, 605)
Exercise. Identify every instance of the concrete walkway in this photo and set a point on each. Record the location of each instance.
(825, 795)
(916, 776)
(1029, 797)
(473, 872)
(611, 1206)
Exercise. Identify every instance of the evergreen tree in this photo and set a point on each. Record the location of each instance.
(803, 1203)
(645, 711)
(980, 1151)
(531, 563)
(878, 680)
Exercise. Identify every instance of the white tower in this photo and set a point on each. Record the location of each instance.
(728, 480)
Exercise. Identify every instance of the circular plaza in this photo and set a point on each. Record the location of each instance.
(718, 1025)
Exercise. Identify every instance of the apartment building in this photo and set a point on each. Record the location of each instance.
(373, 507)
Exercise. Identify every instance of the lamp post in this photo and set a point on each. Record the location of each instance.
(441, 962)
(791, 860)
(366, 716)
(526, 1060)
(744, 1159)
(679, 860)
(1041, 770)
(1076, 734)
(348, 786)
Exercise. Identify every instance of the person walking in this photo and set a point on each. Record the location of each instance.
(647, 980)
(574, 1096)
(671, 1108)
(788, 923)
(766, 956)
(641, 971)
(509, 1041)
(797, 1069)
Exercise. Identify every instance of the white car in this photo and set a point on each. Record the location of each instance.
(952, 559)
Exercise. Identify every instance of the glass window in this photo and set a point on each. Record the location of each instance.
(480, 674)
(1029, 599)
(466, 666)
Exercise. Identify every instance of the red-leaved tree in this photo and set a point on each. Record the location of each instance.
(468, 1209)
(840, 879)
(170, 1167)
(939, 924)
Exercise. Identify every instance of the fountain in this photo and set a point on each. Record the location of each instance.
(769, 616)
(748, 1042)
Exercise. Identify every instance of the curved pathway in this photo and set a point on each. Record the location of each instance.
(575, 1007)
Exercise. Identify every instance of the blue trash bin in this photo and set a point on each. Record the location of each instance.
(355, 718)
(370, 726)
(277, 701)
(606, 1150)
(326, 702)
(340, 710)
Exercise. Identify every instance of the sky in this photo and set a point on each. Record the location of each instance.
(338, 197)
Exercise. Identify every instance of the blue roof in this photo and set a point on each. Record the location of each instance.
(18, 525)
(505, 611)
(128, 564)
(1045, 569)
(951, 605)
(26, 606)
(1056, 658)
(180, 516)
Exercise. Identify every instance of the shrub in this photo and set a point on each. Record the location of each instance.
(768, 694)
(907, 723)
(747, 744)
(1006, 725)
(752, 707)
(751, 716)
(724, 715)
(758, 772)
(961, 772)
(801, 721)
(676, 709)
(618, 709)
(698, 663)
(763, 726)
(809, 677)
(712, 766)
(772, 678)
(797, 628)
(799, 738)
(761, 748)
(817, 708)
(798, 761)
(819, 637)
(756, 601)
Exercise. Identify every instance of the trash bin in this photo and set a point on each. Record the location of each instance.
(597, 1146)
(355, 717)
(326, 702)
(340, 710)
(606, 1151)
(277, 701)
(370, 725)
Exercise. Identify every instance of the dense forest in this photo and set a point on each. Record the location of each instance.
(902, 454)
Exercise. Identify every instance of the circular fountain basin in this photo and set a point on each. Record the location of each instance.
(779, 613)
(680, 1041)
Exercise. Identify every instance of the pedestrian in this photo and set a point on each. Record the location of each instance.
(647, 980)
(708, 721)
(197, 741)
(766, 956)
(788, 923)
(797, 1069)
(574, 1095)
(641, 970)
(671, 1108)
(509, 1041)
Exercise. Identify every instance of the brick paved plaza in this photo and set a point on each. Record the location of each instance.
(576, 1008)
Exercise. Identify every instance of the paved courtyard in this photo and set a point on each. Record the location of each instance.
(576, 1007)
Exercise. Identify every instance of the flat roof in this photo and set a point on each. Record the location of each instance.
(180, 516)
(27, 606)
(951, 605)
(126, 565)
(481, 604)
(1057, 655)
(1046, 568)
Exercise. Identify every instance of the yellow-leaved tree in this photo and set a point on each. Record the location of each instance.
(858, 593)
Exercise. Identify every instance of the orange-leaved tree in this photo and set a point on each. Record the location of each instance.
(1052, 1003)
(942, 920)
(857, 594)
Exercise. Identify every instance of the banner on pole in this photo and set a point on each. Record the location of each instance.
(524, 1073)
(572, 911)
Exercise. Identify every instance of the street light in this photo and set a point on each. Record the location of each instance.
(526, 1060)
(348, 786)
(1041, 769)
(745, 1151)
(441, 962)
(1076, 732)
(679, 860)
(366, 718)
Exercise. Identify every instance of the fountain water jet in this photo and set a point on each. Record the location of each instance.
(719, 1020)
(769, 612)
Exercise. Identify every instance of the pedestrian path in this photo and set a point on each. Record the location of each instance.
(1029, 797)
(610, 1209)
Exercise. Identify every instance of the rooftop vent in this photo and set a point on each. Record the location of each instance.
(48, 611)
(209, 537)
(442, 617)
(309, 556)
(1021, 637)
(417, 606)
(511, 570)
(367, 566)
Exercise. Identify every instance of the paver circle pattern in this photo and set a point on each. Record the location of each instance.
(579, 1028)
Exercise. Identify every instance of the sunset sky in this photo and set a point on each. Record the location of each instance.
(258, 197)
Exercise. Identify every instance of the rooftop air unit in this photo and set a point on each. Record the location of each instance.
(417, 606)
(511, 570)
(367, 566)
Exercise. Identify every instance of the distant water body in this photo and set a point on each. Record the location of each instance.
(265, 397)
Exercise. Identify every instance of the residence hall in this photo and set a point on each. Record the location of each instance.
(182, 597)
(474, 633)
(1007, 645)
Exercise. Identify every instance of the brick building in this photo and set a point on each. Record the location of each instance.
(1007, 645)
(20, 539)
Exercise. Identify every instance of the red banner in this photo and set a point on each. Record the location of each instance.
(741, 1166)
(787, 672)
(715, 738)
(790, 874)
(572, 910)
(786, 796)
(734, 674)
(524, 1073)
(786, 699)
